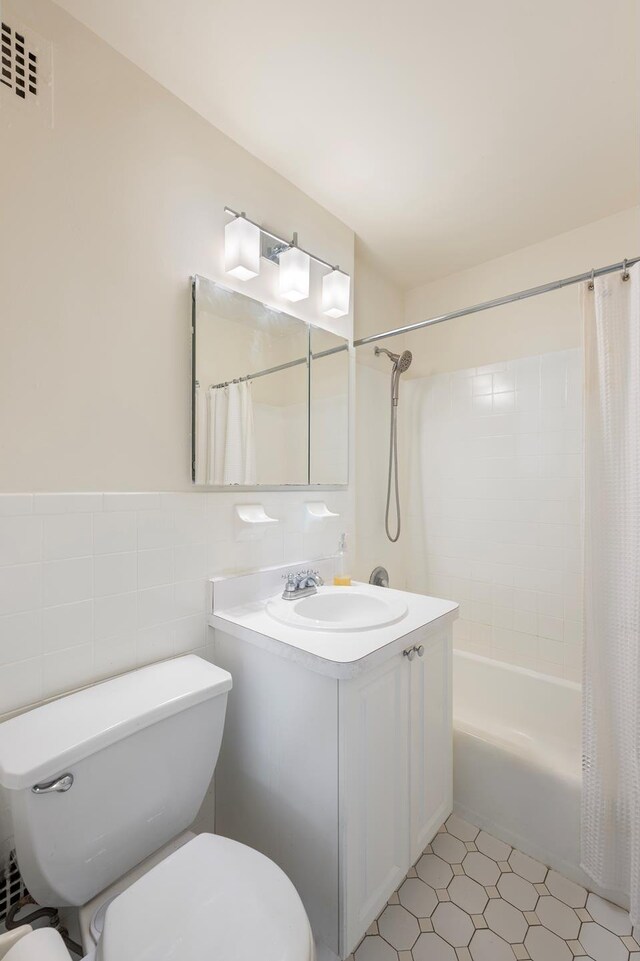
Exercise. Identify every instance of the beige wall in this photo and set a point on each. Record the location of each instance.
(104, 219)
(379, 303)
(539, 325)
(378, 306)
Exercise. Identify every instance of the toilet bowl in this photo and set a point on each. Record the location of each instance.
(212, 898)
(101, 786)
(42, 945)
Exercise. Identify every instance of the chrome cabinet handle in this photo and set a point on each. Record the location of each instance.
(410, 652)
(59, 786)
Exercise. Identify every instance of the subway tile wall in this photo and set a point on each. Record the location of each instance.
(494, 506)
(99, 583)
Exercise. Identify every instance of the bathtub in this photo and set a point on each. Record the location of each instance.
(517, 758)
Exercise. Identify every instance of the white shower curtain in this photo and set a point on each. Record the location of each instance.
(225, 443)
(611, 736)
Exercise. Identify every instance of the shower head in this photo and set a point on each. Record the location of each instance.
(404, 361)
(401, 361)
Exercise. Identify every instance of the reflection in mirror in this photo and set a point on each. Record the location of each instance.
(250, 403)
(328, 408)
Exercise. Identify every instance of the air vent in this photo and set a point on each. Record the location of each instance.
(19, 63)
(25, 68)
(12, 887)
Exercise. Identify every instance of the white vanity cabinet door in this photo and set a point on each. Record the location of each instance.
(430, 739)
(374, 777)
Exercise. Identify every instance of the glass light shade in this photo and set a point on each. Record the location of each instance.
(242, 249)
(294, 274)
(336, 288)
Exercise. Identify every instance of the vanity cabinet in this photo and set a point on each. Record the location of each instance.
(395, 773)
(343, 781)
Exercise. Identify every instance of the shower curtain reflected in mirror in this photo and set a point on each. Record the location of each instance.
(225, 436)
(611, 714)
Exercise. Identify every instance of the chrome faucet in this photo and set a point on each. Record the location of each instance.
(301, 584)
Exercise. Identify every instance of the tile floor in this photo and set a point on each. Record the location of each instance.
(471, 897)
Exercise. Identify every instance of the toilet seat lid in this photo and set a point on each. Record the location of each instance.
(213, 899)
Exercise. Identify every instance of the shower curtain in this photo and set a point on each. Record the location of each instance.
(225, 439)
(611, 720)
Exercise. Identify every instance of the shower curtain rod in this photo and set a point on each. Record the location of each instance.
(275, 370)
(509, 299)
(260, 373)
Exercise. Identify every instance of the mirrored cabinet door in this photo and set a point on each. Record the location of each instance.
(270, 395)
(328, 408)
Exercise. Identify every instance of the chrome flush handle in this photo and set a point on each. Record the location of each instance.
(59, 786)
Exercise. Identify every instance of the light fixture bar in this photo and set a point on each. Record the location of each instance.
(283, 240)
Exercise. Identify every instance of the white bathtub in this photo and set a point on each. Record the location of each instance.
(517, 758)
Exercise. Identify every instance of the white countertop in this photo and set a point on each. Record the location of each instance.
(335, 653)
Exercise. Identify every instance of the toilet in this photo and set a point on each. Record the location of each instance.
(102, 786)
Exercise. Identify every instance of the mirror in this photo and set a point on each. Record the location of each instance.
(328, 408)
(270, 395)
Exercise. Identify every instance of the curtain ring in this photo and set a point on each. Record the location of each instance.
(625, 272)
(591, 285)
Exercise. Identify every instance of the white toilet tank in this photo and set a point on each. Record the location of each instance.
(138, 752)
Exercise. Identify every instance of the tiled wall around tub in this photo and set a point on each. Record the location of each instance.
(94, 584)
(494, 506)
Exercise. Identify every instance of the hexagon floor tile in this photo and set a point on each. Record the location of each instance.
(398, 927)
(453, 924)
(505, 920)
(558, 917)
(418, 897)
(486, 945)
(431, 947)
(527, 868)
(492, 847)
(609, 915)
(434, 871)
(448, 848)
(518, 892)
(472, 897)
(374, 948)
(468, 894)
(600, 944)
(481, 868)
(544, 945)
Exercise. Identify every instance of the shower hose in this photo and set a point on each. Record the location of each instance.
(393, 467)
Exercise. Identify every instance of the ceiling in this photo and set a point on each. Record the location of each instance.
(444, 134)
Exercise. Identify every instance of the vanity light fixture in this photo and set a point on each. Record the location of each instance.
(336, 288)
(242, 248)
(295, 268)
(246, 241)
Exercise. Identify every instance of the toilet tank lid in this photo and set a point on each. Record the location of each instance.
(41, 743)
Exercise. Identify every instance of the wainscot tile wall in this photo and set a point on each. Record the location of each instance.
(494, 506)
(95, 584)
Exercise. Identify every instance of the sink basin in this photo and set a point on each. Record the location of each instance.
(357, 608)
